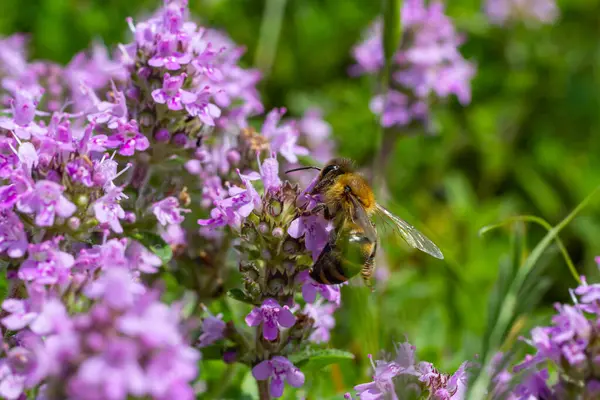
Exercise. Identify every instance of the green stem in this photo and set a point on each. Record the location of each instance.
(542, 222)
(223, 383)
(263, 390)
(270, 29)
(509, 304)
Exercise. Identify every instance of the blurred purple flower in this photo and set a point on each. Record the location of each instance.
(128, 138)
(501, 12)
(46, 201)
(272, 316)
(324, 322)
(116, 287)
(167, 211)
(13, 240)
(283, 138)
(20, 314)
(142, 259)
(279, 369)
(213, 329)
(233, 209)
(310, 288)
(80, 172)
(108, 210)
(269, 172)
(172, 94)
(115, 372)
(46, 265)
(427, 65)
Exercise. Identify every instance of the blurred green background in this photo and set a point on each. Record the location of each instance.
(527, 144)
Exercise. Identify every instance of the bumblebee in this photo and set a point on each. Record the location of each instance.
(349, 202)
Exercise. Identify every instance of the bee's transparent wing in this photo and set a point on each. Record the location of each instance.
(361, 218)
(410, 234)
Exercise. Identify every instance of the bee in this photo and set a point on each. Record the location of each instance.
(349, 202)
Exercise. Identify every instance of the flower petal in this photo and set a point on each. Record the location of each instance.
(262, 370)
(286, 318)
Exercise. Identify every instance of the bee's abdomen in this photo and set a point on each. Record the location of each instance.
(342, 261)
(328, 268)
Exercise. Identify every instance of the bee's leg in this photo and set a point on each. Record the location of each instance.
(368, 268)
(321, 207)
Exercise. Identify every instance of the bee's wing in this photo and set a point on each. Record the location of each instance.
(361, 218)
(410, 234)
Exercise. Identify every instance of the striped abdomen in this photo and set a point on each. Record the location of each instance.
(343, 259)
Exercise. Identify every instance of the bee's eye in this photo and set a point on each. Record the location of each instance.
(329, 168)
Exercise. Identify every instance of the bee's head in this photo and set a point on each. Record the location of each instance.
(330, 173)
(335, 168)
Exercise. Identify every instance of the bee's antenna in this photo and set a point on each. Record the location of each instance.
(302, 168)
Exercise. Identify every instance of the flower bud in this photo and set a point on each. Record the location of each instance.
(82, 200)
(133, 93)
(263, 227)
(230, 356)
(233, 157)
(291, 245)
(162, 135)
(144, 72)
(277, 232)
(276, 285)
(74, 223)
(130, 217)
(180, 140)
(274, 207)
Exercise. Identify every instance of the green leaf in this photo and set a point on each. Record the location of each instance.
(311, 359)
(240, 295)
(509, 306)
(392, 29)
(214, 352)
(155, 244)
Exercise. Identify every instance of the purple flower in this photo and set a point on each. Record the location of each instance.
(23, 109)
(46, 201)
(142, 259)
(427, 65)
(116, 287)
(115, 372)
(310, 288)
(167, 211)
(203, 108)
(53, 318)
(322, 314)
(172, 94)
(13, 240)
(14, 373)
(171, 60)
(502, 11)
(213, 329)
(534, 386)
(317, 133)
(386, 371)
(272, 316)
(269, 172)
(315, 230)
(80, 171)
(283, 138)
(128, 138)
(19, 316)
(46, 265)
(233, 209)
(108, 210)
(279, 369)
